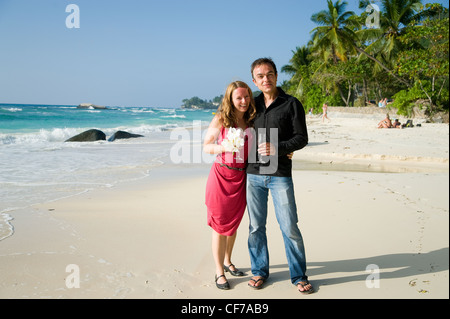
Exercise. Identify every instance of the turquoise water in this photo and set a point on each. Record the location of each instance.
(20, 118)
(37, 165)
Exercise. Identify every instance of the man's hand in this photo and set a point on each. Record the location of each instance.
(266, 149)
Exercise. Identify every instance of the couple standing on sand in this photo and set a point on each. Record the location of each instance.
(235, 183)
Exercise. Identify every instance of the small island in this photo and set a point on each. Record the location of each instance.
(197, 103)
(91, 106)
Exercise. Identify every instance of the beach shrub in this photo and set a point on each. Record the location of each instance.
(437, 101)
(315, 99)
(404, 100)
(360, 102)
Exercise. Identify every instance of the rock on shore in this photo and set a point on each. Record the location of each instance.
(97, 135)
(122, 135)
(88, 136)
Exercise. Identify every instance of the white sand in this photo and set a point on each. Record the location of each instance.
(149, 239)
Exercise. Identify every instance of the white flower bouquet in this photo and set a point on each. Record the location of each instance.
(234, 141)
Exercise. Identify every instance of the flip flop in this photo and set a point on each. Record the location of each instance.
(303, 284)
(256, 281)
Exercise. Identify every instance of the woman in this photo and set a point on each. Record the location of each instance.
(225, 189)
(325, 112)
(386, 123)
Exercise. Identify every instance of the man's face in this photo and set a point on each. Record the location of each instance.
(265, 78)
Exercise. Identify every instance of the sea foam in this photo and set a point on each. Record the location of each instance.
(6, 229)
(38, 166)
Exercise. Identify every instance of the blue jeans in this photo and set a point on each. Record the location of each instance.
(282, 190)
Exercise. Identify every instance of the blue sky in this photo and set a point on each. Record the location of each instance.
(144, 52)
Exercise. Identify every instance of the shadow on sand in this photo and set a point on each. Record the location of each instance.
(390, 266)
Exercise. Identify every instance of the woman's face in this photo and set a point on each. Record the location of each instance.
(241, 100)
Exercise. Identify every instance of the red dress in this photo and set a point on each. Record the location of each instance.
(226, 190)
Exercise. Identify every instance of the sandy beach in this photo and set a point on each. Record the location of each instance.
(373, 210)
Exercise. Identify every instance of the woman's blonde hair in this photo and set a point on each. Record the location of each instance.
(227, 110)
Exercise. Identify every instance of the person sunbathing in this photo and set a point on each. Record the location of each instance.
(396, 124)
(386, 123)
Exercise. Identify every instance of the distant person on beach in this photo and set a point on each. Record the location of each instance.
(396, 124)
(382, 103)
(285, 114)
(325, 112)
(386, 123)
(226, 186)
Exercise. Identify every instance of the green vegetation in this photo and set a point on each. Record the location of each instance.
(349, 62)
(198, 103)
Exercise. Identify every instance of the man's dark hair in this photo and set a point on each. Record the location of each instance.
(264, 61)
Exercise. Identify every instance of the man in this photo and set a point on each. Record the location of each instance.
(284, 114)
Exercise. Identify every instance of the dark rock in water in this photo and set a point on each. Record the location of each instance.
(123, 135)
(88, 136)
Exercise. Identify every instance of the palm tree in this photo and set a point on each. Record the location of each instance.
(334, 37)
(384, 41)
(300, 59)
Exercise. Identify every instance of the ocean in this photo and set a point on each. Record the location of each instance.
(38, 166)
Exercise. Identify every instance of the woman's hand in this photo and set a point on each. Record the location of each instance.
(209, 144)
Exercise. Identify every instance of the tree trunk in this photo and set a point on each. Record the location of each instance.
(366, 97)
(431, 110)
(342, 95)
(383, 66)
(349, 95)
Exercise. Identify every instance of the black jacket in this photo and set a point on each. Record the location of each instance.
(287, 115)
